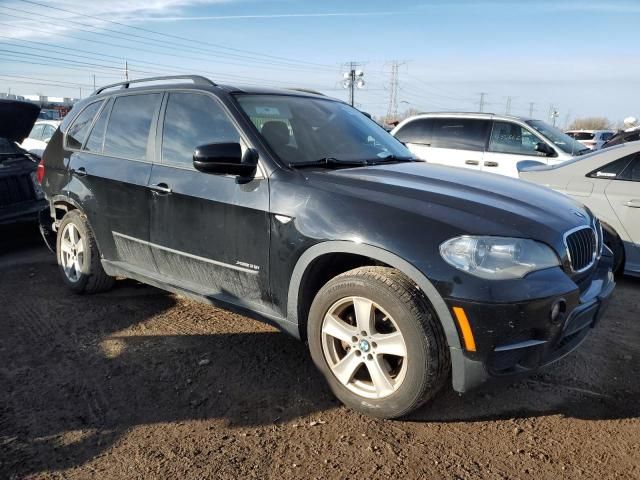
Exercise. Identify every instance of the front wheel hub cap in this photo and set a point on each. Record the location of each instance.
(364, 346)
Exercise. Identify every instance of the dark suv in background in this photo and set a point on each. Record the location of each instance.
(299, 210)
(21, 198)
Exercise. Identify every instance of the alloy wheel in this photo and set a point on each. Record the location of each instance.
(364, 347)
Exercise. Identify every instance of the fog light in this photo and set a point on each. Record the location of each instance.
(557, 310)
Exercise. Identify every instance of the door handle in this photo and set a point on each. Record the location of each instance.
(490, 164)
(80, 172)
(160, 189)
(633, 203)
(472, 162)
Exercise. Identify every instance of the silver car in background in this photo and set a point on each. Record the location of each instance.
(608, 182)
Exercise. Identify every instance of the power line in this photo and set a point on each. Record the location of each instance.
(166, 35)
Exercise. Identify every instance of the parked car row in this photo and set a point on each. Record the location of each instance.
(593, 139)
(299, 210)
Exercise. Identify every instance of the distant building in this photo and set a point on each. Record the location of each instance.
(52, 108)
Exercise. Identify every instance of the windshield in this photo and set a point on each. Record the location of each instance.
(304, 129)
(561, 140)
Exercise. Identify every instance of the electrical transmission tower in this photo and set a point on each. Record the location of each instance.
(531, 104)
(507, 109)
(392, 111)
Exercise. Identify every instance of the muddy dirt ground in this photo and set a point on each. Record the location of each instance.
(138, 383)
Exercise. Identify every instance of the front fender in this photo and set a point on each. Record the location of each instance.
(461, 370)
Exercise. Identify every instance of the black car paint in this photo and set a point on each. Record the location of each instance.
(275, 227)
(17, 166)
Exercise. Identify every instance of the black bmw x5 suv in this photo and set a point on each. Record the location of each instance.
(299, 210)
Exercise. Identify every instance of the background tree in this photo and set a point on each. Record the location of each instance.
(590, 123)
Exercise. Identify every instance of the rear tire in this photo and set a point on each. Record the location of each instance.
(389, 359)
(78, 256)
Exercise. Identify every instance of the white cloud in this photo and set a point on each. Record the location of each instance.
(48, 18)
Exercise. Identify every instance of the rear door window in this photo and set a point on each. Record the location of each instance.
(508, 137)
(192, 120)
(416, 131)
(460, 133)
(36, 132)
(632, 172)
(80, 127)
(129, 125)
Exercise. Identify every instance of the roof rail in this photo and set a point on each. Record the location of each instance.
(196, 79)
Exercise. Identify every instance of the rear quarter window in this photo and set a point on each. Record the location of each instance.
(416, 131)
(80, 126)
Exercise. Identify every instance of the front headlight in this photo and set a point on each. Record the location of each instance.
(497, 258)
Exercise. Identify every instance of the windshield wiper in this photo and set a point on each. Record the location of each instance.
(329, 162)
(391, 159)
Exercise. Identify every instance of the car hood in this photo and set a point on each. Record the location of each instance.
(477, 202)
(17, 119)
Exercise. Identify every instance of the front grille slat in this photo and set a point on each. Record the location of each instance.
(582, 248)
(16, 189)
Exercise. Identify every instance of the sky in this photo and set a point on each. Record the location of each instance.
(577, 56)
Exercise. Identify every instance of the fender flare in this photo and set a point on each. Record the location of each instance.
(316, 251)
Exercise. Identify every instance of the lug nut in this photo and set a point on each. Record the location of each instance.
(354, 339)
(363, 333)
(369, 357)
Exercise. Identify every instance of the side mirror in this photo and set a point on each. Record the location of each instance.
(225, 159)
(546, 149)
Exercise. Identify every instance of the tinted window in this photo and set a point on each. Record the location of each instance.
(96, 137)
(582, 135)
(416, 131)
(191, 120)
(129, 125)
(606, 136)
(507, 137)
(47, 132)
(80, 127)
(36, 132)
(613, 169)
(632, 172)
(459, 133)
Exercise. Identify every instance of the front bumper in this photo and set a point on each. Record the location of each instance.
(520, 337)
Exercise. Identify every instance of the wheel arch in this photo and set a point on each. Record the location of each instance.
(300, 282)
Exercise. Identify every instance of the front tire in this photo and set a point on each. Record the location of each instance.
(78, 256)
(376, 339)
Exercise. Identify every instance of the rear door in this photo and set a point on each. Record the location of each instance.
(509, 144)
(110, 176)
(459, 142)
(623, 193)
(209, 233)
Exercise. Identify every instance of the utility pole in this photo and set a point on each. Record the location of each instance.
(553, 114)
(94, 82)
(531, 104)
(352, 80)
(482, 100)
(507, 109)
(126, 71)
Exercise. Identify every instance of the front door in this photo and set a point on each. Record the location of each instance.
(509, 144)
(209, 233)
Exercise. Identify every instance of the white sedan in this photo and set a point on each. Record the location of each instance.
(40, 135)
(608, 182)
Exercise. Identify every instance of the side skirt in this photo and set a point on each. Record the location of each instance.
(220, 300)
